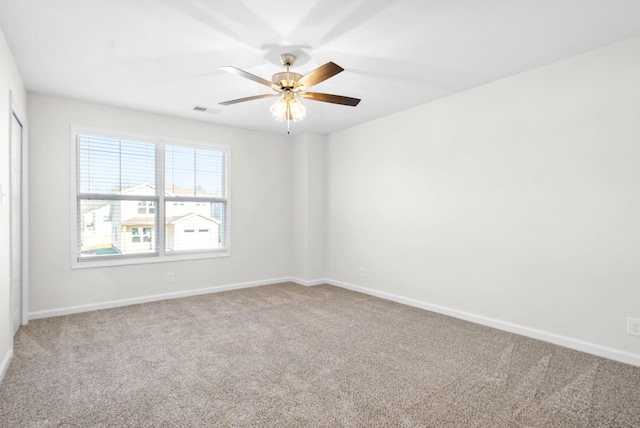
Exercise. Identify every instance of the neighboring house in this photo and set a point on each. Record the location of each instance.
(98, 228)
(129, 227)
(192, 232)
(138, 235)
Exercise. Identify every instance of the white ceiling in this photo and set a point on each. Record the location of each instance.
(164, 56)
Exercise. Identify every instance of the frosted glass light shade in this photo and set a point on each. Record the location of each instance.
(289, 108)
(279, 109)
(297, 111)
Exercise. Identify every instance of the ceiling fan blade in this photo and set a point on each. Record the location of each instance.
(329, 98)
(247, 75)
(241, 100)
(318, 75)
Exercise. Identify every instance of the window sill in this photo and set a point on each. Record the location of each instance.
(138, 260)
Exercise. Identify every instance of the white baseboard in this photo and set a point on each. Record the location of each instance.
(556, 339)
(154, 298)
(308, 283)
(5, 363)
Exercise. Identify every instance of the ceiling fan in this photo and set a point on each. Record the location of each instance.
(289, 85)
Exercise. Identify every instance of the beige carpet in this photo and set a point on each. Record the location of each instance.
(291, 356)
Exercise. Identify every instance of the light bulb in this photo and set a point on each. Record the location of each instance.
(297, 111)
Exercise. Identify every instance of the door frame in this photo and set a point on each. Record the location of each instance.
(24, 156)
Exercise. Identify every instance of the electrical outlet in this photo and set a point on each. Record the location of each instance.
(362, 272)
(170, 278)
(633, 326)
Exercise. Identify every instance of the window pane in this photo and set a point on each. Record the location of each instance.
(194, 172)
(218, 213)
(209, 172)
(194, 226)
(113, 166)
(179, 171)
(113, 227)
(138, 168)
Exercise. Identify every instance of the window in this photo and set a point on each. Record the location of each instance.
(147, 207)
(139, 199)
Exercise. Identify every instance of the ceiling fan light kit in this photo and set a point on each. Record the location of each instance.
(289, 108)
(288, 85)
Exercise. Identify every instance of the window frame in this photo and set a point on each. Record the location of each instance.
(161, 255)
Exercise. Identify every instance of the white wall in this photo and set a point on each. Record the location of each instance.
(308, 208)
(517, 201)
(10, 82)
(260, 209)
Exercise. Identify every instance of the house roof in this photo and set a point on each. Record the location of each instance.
(139, 221)
(171, 189)
(150, 220)
(178, 219)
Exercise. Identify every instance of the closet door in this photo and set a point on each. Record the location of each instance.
(16, 223)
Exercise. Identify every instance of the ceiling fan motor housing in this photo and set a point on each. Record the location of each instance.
(286, 79)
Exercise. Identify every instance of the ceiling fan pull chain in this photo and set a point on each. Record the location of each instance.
(288, 118)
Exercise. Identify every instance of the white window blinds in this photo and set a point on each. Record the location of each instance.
(111, 166)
